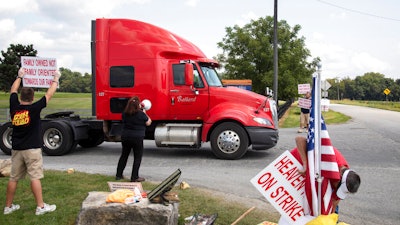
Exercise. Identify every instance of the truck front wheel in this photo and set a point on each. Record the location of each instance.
(57, 138)
(229, 141)
(6, 132)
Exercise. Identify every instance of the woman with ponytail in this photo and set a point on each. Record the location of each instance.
(135, 120)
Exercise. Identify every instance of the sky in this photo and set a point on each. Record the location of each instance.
(351, 37)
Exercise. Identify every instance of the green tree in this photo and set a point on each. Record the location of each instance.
(248, 54)
(10, 62)
(395, 91)
(370, 86)
(74, 81)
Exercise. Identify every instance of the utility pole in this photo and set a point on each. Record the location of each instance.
(275, 86)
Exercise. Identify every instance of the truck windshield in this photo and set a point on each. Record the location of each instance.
(211, 76)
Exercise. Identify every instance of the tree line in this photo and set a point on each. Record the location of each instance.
(10, 62)
(370, 86)
(247, 53)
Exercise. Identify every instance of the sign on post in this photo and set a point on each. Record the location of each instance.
(325, 85)
(325, 103)
(39, 72)
(282, 185)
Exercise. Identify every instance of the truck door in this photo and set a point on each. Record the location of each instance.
(187, 103)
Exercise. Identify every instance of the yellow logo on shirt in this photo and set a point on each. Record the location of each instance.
(21, 118)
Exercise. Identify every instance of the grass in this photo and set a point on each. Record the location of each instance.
(393, 106)
(68, 192)
(80, 103)
(292, 117)
(60, 100)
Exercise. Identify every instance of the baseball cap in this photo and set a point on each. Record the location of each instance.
(342, 191)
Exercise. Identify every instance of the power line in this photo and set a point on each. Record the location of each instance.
(359, 12)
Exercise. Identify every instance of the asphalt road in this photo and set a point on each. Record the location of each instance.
(369, 142)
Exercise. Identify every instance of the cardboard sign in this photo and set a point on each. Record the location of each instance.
(282, 185)
(303, 88)
(304, 103)
(39, 72)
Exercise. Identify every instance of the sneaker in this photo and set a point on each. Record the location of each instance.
(46, 208)
(300, 131)
(12, 208)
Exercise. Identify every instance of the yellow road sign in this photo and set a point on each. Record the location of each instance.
(386, 91)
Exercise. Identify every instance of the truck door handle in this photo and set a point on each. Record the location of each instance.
(174, 90)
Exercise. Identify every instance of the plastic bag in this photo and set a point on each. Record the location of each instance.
(330, 219)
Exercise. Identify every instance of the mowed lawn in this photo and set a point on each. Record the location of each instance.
(60, 100)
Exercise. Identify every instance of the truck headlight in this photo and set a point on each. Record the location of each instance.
(262, 121)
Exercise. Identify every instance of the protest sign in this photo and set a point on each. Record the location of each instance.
(39, 72)
(304, 103)
(303, 88)
(282, 185)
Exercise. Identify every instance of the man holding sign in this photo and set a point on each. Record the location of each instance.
(26, 154)
(304, 112)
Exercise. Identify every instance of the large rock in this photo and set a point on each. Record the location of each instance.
(96, 211)
(5, 167)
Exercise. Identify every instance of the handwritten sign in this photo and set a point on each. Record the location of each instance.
(303, 88)
(283, 187)
(304, 103)
(39, 72)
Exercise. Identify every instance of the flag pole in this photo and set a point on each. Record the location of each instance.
(317, 104)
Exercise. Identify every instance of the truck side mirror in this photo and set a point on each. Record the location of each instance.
(189, 78)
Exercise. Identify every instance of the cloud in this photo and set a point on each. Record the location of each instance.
(192, 3)
(338, 16)
(36, 38)
(7, 27)
(338, 61)
(76, 11)
(14, 7)
(245, 18)
(365, 62)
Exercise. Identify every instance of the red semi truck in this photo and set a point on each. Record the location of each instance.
(190, 105)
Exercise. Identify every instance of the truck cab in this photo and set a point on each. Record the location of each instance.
(190, 105)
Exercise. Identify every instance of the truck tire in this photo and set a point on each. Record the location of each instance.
(57, 138)
(229, 141)
(93, 140)
(6, 132)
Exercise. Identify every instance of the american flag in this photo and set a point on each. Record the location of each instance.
(328, 166)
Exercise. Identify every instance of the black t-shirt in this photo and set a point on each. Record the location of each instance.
(304, 110)
(26, 123)
(134, 125)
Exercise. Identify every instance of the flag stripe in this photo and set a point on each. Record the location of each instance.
(328, 165)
